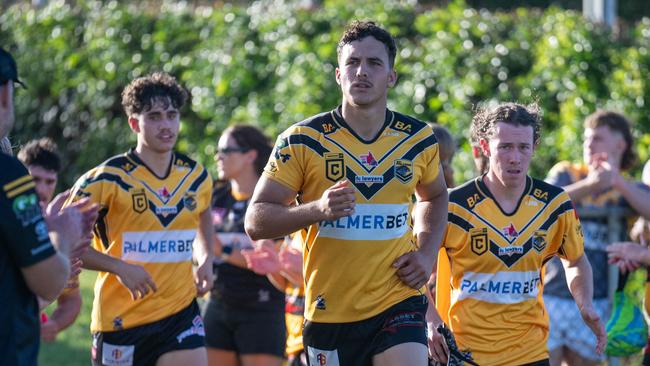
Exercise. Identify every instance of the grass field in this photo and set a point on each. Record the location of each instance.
(72, 346)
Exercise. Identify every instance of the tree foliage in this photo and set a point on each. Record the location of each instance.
(271, 63)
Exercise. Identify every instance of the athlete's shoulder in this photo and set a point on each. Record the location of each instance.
(184, 161)
(409, 125)
(545, 191)
(119, 162)
(467, 194)
(321, 123)
(12, 169)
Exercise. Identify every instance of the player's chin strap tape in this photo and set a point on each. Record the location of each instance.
(456, 358)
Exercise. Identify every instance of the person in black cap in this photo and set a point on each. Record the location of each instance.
(34, 250)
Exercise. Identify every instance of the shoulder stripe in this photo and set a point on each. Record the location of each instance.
(197, 183)
(307, 141)
(16, 191)
(564, 207)
(114, 178)
(13, 184)
(419, 147)
(459, 221)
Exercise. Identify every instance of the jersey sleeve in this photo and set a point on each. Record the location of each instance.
(572, 243)
(90, 185)
(23, 229)
(204, 191)
(285, 164)
(431, 160)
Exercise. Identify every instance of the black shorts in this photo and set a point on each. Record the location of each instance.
(357, 342)
(144, 344)
(245, 332)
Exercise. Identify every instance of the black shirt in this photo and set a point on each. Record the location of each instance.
(24, 241)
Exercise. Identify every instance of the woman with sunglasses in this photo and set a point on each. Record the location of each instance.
(244, 318)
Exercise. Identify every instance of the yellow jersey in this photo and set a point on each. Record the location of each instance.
(348, 262)
(150, 221)
(496, 259)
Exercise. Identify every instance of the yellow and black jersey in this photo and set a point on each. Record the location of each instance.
(150, 221)
(496, 260)
(347, 262)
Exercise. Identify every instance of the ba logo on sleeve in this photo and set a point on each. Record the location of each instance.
(479, 240)
(334, 166)
(403, 170)
(139, 198)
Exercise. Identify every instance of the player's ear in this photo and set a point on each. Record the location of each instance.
(337, 74)
(392, 78)
(485, 146)
(133, 123)
(251, 155)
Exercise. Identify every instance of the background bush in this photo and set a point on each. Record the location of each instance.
(271, 63)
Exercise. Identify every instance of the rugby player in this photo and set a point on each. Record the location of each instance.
(353, 172)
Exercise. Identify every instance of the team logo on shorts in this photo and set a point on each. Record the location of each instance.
(319, 357)
(539, 240)
(139, 198)
(403, 170)
(334, 166)
(479, 240)
(190, 201)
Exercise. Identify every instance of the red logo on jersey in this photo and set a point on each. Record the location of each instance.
(163, 193)
(322, 359)
(368, 160)
(510, 232)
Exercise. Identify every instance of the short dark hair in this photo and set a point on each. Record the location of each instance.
(142, 93)
(446, 141)
(359, 30)
(617, 123)
(250, 137)
(486, 118)
(42, 152)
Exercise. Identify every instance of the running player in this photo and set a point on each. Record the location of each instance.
(503, 227)
(41, 157)
(353, 171)
(153, 201)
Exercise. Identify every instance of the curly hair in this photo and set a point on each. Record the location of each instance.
(142, 93)
(42, 152)
(617, 123)
(250, 137)
(359, 30)
(486, 118)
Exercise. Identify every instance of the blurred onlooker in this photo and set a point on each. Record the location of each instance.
(34, 250)
(41, 157)
(447, 148)
(244, 319)
(596, 183)
(5, 146)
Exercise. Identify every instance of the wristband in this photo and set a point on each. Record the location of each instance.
(226, 251)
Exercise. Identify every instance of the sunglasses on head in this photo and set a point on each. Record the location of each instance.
(230, 150)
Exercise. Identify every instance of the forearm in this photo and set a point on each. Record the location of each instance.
(272, 220)
(237, 259)
(431, 223)
(205, 239)
(60, 243)
(638, 198)
(67, 310)
(579, 189)
(96, 261)
(47, 278)
(277, 281)
(579, 279)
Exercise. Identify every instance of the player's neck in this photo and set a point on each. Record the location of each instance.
(244, 185)
(365, 121)
(506, 196)
(158, 162)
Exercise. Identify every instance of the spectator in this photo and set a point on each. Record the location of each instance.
(597, 182)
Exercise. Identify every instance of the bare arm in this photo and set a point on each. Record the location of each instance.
(205, 238)
(637, 197)
(134, 277)
(579, 278)
(67, 310)
(47, 278)
(430, 215)
(269, 215)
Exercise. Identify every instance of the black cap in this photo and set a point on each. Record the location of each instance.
(8, 70)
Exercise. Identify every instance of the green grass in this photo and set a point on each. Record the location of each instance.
(72, 346)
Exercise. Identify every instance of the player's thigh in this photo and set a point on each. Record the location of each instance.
(407, 354)
(556, 355)
(573, 358)
(261, 360)
(185, 357)
(220, 357)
